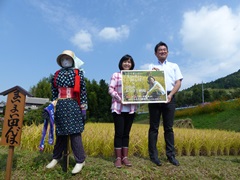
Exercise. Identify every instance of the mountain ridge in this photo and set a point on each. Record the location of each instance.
(228, 82)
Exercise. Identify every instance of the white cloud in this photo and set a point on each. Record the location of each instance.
(211, 32)
(211, 36)
(83, 40)
(67, 22)
(114, 34)
(149, 47)
(144, 67)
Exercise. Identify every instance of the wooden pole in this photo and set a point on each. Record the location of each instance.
(13, 120)
(9, 162)
(66, 156)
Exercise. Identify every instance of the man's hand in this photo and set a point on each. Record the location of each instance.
(169, 98)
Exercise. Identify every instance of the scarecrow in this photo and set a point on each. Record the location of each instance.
(70, 98)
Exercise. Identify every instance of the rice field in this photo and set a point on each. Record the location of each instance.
(98, 141)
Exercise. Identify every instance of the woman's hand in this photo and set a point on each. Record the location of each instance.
(154, 68)
(84, 106)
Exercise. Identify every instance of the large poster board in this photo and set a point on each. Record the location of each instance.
(143, 86)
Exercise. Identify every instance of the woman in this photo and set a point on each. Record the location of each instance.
(123, 114)
(155, 88)
(69, 94)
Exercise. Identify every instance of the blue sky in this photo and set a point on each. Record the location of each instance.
(203, 37)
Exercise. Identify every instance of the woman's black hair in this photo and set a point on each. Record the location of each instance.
(149, 78)
(124, 58)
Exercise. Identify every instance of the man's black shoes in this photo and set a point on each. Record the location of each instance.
(157, 162)
(173, 160)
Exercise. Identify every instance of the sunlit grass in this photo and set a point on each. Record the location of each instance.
(203, 154)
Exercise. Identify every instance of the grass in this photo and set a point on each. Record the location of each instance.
(31, 165)
(226, 120)
(207, 117)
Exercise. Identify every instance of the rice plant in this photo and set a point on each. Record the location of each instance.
(98, 140)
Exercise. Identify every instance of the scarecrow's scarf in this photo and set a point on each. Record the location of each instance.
(50, 118)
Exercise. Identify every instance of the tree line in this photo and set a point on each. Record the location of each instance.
(198, 95)
(222, 89)
(99, 101)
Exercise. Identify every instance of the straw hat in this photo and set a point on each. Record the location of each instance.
(77, 62)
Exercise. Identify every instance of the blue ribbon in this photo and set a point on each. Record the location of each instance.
(50, 112)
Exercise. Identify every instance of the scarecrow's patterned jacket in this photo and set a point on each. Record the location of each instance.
(68, 115)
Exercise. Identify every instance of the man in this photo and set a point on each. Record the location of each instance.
(166, 110)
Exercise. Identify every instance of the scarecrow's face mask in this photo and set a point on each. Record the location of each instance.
(66, 62)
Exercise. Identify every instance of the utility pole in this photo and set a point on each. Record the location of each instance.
(202, 94)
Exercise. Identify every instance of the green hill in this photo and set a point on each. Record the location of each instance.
(217, 115)
(226, 120)
(230, 81)
(222, 89)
